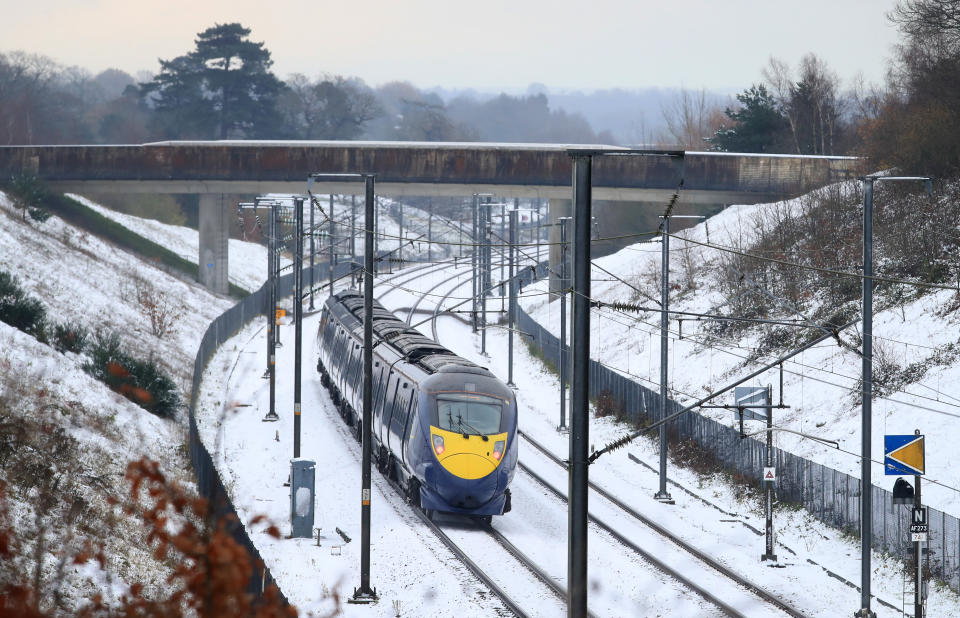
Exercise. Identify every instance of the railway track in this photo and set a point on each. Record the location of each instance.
(463, 556)
(650, 523)
(406, 276)
(704, 561)
(413, 310)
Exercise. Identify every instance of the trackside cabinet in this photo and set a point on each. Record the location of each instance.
(302, 493)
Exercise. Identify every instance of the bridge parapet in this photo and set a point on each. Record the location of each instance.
(210, 168)
(522, 170)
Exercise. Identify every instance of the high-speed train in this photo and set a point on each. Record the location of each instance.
(444, 428)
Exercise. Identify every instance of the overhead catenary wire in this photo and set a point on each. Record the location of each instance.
(675, 338)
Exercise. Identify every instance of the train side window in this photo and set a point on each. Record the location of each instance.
(335, 358)
(337, 344)
(329, 332)
(351, 377)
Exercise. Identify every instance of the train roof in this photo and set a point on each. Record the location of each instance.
(415, 346)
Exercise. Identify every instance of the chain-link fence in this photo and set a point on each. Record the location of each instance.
(831, 496)
(209, 482)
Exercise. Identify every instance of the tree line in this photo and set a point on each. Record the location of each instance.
(910, 122)
(224, 88)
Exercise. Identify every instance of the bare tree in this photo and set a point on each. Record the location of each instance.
(935, 21)
(825, 103)
(810, 101)
(779, 78)
(691, 117)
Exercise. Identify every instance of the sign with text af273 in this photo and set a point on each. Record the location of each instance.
(919, 525)
(903, 455)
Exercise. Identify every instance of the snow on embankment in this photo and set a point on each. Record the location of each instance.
(820, 385)
(66, 438)
(247, 261)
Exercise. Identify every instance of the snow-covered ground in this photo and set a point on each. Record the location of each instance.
(410, 567)
(819, 384)
(247, 262)
(83, 281)
(234, 400)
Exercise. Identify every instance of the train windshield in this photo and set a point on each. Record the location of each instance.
(469, 414)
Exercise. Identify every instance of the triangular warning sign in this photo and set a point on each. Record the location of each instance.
(769, 476)
(910, 455)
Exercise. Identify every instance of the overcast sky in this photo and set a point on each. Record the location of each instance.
(487, 45)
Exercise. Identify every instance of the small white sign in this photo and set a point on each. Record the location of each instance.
(916, 537)
(365, 495)
(769, 474)
(302, 501)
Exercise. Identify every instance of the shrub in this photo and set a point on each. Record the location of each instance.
(19, 310)
(156, 306)
(142, 382)
(28, 195)
(67, 338)
(604, 404)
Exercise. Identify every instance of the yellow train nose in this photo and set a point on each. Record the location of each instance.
(468, 465)
(469, 457)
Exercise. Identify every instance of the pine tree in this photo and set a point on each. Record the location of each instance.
(222, 89)
(759, 126)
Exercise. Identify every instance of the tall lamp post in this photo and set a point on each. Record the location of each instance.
(866, 412)
(365, 593)
(578, 472)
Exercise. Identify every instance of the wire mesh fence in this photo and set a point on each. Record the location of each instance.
(831, 496)
(209, 483)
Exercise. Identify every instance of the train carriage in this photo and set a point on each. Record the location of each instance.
(443, 427)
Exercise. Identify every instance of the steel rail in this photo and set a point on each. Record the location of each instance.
(647, 556)
(650, 558)
(388, 280)
(470, 564)
(697, 553)
(458, 553)
(412, 310)
(521, 557)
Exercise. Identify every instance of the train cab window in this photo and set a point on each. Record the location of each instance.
(468, 413)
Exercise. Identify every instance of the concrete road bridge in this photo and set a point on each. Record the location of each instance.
(213, 169)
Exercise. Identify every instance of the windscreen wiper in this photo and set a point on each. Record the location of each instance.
(471, 428)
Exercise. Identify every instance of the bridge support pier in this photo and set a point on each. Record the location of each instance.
(558, 208)
(214, 237)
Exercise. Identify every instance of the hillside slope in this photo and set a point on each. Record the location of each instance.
(66, 438)
(916, 365)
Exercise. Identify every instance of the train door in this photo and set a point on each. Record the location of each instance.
(409, 419)
(378, 387)
(336, 356)
(388, 406)
(400, 411)
(352, 381)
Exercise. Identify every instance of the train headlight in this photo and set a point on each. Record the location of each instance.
(498, 449)
(438, 444)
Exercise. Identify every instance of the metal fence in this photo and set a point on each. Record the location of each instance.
(831, 496)
(209, 482)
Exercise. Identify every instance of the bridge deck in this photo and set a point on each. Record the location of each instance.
(415, 168)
